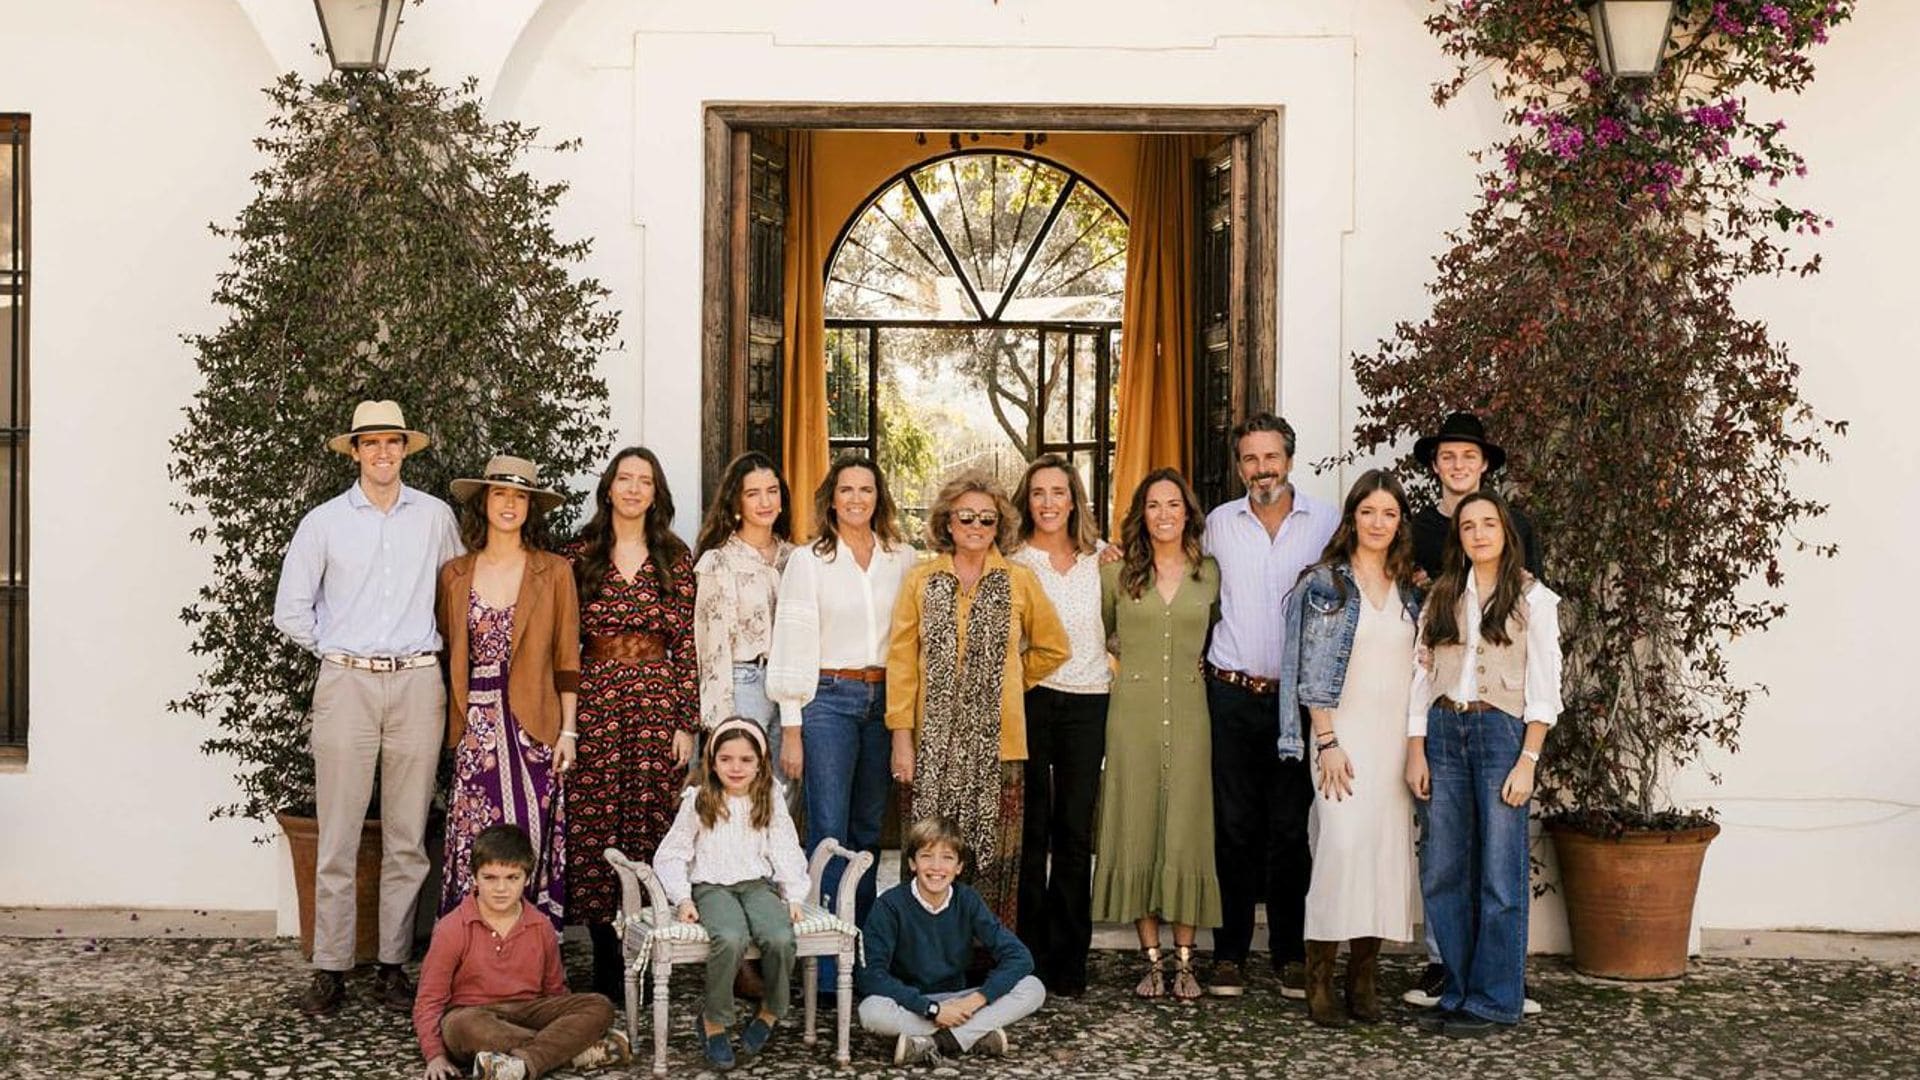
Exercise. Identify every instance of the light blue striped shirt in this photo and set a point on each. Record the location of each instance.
(1256, 571)
(361, 582)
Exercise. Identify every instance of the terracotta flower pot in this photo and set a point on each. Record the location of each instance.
(303, 841)
(1630, 898)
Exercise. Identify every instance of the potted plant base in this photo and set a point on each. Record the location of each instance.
(303, 841)
(1630, 897)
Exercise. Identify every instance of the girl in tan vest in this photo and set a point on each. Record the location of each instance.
(1486, 687)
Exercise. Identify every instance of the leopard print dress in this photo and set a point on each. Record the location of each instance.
(958, 772)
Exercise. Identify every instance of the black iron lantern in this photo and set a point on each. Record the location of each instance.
(359, 33)
(1630, 35)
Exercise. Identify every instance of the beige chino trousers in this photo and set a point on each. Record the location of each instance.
(395, 722)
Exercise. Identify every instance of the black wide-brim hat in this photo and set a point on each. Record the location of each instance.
(1460, 427)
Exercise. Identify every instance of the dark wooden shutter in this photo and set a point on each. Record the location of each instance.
(1220, 367)
(763, 228)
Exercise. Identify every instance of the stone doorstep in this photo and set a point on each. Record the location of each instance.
(24, 922)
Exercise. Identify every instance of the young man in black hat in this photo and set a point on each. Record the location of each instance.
(1461, 457)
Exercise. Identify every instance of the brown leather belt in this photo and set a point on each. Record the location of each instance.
(626, 648)
(1252, 684)
(1451, 705)
(856, 674)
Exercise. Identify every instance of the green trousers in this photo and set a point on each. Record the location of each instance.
(734, 915)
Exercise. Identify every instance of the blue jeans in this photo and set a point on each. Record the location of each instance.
(750, 701)
(1475, 876)
(848, 754)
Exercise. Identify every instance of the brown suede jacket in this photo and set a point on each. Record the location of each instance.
(544, 660)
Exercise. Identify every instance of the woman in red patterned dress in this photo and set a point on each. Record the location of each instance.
(639, 692)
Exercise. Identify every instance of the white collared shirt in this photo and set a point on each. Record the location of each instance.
(913, 886)
(360, 580)
(732, 851)
(831, 614)
(1543, 660)
(1256, 573)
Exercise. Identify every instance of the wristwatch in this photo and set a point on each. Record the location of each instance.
(933, 1010)
(1530, 755)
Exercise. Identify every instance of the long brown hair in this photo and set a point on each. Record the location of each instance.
(711, 801)
(1080, 524)
(1136, 547)
(723, 513)
(1443, 603)
(473, 522)
(886, 525)
(940, 529)
(664, 548)
(1346, 538)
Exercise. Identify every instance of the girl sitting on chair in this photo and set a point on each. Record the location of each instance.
(732, 862)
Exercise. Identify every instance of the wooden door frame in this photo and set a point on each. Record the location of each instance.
(723, 339)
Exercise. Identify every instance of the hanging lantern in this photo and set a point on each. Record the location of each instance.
(359, 33)
(1630, 35)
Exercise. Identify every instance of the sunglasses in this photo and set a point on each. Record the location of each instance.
(986, 519)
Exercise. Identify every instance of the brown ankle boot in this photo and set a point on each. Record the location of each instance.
(1363, 979)
(1322, 1007)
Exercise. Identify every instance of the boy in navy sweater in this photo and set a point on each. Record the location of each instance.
(920, 938)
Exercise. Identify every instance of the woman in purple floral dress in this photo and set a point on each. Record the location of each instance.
(512, 624)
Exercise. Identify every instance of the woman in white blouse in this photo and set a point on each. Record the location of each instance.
(1066, 727)
(828, 668)
(1486, 687)
(738, 558)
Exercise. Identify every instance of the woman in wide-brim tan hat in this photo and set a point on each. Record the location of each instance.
(511, 619)
(378, 418)
(507, 471)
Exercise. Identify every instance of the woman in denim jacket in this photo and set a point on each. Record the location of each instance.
(1350, 637)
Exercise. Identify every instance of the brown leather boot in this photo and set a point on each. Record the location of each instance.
(1322, 1007)
(1363, 979)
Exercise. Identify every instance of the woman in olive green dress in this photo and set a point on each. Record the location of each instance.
(1155, 853)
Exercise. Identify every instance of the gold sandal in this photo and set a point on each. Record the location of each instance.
(1154, 983)
(1185, 986)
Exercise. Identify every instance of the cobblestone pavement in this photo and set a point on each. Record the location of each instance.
(219, 1009)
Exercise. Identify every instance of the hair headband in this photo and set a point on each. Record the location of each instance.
(737, 723)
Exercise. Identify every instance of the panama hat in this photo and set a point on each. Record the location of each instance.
(507, 471)
(1460, 427)
(378, 417)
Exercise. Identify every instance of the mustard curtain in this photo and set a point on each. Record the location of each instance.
(1155, 408)
(804, 390)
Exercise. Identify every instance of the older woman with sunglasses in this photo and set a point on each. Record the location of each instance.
(972, 633)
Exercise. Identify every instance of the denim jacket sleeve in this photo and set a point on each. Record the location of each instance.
(1289, 742)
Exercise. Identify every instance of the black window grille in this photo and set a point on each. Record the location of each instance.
(973, 319)
(14, 281)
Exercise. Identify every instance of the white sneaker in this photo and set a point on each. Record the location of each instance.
(914, 1049)
(499, 1065)
(992, 1044)
(1530, 1008)
(612, 1049)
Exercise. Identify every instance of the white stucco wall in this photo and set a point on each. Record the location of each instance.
(135, 150)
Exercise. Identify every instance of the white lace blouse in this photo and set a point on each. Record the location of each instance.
(1076, 596)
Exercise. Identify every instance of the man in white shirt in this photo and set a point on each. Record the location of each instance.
(357, 591)
(1262, 541)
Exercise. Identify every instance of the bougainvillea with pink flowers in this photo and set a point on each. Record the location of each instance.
(1586, 309)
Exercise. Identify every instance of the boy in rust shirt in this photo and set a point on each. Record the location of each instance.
(491, 988)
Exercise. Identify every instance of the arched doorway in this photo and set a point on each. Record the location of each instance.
(973, 319)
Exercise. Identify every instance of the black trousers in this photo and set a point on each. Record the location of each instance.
(1260, 807)
(1066, 741)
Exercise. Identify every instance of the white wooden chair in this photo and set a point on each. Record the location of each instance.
(650, 935)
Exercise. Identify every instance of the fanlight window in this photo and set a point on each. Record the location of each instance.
(982, 238)
(973, 321)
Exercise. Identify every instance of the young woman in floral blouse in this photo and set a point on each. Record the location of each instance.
(738, 558)
(639, 691)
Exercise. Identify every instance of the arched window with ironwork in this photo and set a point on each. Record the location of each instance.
(973, 319)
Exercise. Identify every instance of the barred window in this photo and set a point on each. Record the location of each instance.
(15, 252)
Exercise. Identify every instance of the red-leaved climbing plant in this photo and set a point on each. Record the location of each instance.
(1586, 309)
